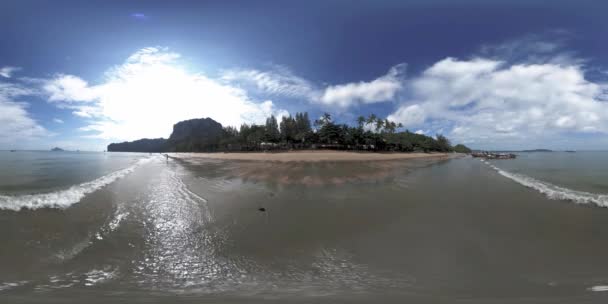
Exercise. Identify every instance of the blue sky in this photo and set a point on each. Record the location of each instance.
(490, 74)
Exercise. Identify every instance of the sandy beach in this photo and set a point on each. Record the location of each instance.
(311, 156)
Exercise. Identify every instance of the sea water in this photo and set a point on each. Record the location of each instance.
(138, 228)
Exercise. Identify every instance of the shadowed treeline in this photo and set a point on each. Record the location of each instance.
(292, 133)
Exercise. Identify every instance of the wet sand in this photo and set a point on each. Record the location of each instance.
(311, 156)
(304, 167)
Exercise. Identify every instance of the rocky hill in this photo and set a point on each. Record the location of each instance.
(203, 134)
(142, 145)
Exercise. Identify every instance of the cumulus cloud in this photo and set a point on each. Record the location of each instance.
(488, 101)
(378, 90)
(520, 91)
(16, 124)
(411, 115)
(281, 81)
(148, 93)
(69, 88)
(7, 71)
(57, 120)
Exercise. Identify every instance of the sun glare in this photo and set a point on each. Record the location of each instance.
(147, 94)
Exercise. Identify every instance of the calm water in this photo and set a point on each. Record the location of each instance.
(40, 171)
(583, 171)
(135, 228)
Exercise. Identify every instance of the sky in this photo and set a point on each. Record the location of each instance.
(489, 74)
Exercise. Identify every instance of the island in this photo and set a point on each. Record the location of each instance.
(57, 149)
(537, 150)
(292, 133)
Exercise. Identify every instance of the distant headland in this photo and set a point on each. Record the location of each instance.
(57, 149)
(537, 150)
(371, 134)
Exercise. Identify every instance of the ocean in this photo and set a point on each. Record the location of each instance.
(136, 228)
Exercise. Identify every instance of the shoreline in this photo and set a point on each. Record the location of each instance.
(311, 156)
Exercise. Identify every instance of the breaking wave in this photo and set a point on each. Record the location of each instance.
(555, 192)
(63, 198)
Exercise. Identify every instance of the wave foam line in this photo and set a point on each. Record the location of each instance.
(555, 192)
(63, 198)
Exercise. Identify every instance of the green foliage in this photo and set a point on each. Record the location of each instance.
(295, 132)
(460, 148)
(324, 120)
(272, 133)
(370, 133)
(330, 133)
(443, 144)
(361, 121)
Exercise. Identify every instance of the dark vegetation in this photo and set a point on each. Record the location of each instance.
(292, 132)
(460, 148)
(141, 145)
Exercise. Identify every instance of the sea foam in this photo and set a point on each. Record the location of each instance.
(63, 198)
(553, 191)
(598, 288)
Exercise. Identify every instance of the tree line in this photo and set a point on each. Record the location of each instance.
(297, 132)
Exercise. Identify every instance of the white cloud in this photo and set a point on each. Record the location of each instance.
(279, 81)
(57, 120)
(489, 101)
(69, 88)
(411, 115)
(530, 94)
(7, 71)
(381, 89)
(148, 93)
(16, 124)
(547, 47)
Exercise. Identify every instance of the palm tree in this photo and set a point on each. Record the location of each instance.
(361, 121)
(324, 120)
(379, 125)
(371, 119)
(390, 126)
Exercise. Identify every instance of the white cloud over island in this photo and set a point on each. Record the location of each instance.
(380, 89)
(490, 101)
(281, 81)
(148, 93)
(484, 101)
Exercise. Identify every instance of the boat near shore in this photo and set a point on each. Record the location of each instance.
(492, 155)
